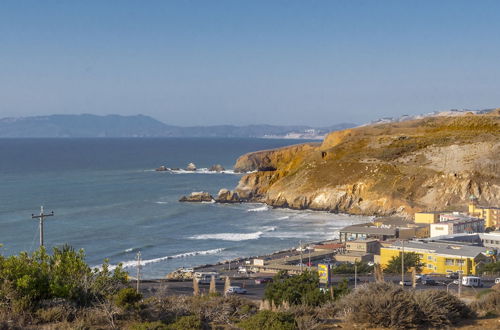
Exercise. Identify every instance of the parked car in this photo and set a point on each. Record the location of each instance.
(452, 275)
(472, 281)
(429, 281)
(497, 280)
(263, 280)
(236, 290)
(242, 270)
(405, 283)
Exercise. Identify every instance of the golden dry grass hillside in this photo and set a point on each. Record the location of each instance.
(434, 163)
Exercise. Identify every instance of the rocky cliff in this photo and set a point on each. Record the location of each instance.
(394, 168)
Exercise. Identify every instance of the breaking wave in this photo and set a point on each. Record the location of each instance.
(259, 209)
(133, 263)
(235, 236)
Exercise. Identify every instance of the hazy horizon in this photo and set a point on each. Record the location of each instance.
(195, 63)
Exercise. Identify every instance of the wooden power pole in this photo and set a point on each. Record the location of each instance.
(41, 217)
(138, 270)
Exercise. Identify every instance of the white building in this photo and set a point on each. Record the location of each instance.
(455, 224)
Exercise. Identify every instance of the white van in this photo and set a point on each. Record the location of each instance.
(472, 281)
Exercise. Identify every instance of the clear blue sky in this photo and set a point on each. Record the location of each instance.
(240, 62)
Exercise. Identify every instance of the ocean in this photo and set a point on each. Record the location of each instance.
(109, 201)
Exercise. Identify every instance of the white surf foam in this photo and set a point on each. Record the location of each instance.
(259, 209)
(202, 171)
(133, 263)
(230, 236)
(160, 202)
(235, 236)
(283, 218)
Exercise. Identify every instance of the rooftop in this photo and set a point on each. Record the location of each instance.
(369, 229)
(448, 248)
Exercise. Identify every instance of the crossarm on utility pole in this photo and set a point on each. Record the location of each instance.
(41, 217)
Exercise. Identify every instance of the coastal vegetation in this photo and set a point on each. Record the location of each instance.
(411, 260)
(60, 291)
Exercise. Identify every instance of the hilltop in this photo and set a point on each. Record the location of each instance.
(431, 163)
(87, 125)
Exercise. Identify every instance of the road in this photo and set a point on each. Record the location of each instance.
(256, 291)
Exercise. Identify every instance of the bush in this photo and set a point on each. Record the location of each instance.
(412, 259)
(440, 308)
(267, 320)
(488, 304)
(296, 290)
(381, 304)
(127, 298)
(149, 326)
(26, 280)
(190, 322)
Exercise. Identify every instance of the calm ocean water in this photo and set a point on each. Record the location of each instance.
(109, 201)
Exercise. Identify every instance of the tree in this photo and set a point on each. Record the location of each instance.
(348, 268)
(412, 259)
(27, 279)
(296, 290)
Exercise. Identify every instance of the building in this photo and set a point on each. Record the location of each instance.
(439, 258)
(490, 214)
(364, 246)
(366, 231)
(427, 217)
(491, 240)
(384, 230)
(456, 223)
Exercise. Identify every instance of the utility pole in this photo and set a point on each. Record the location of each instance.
(460, 278)
(41, 217)
(300, 249)
(138, 270)
(403, 263)
(309, 264)
(355, 274)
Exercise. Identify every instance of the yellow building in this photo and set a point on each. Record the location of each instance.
(439, 258)
(427, 217)
(491, 215)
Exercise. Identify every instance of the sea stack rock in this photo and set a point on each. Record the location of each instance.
(161, 169)
(227, 196)
(191, 167)
(201, 196)
(217, 168)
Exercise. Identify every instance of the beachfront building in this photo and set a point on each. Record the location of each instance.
(455, 223)
(427, 217)
(384, 229)
(490, 214)
(439, 258)
(364, 246)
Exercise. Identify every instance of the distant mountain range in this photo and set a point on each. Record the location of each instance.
(87, 125)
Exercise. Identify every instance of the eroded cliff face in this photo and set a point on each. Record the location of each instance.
(398, 168)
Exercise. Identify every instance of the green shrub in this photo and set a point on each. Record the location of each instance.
(267, 320)
(381, 304)
(191, 322)
(440, 308)
(488, 304)
(149, 326)
(26, 280)
(296, 290)
(127, 298)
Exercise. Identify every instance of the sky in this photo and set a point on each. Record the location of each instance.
(185, 63)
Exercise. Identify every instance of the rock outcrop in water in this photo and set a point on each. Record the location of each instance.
(227, 196)
(191, 167)
(395, 168)
(201, 196)
(216, 168)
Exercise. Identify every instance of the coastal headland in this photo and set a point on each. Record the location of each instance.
(433, 163)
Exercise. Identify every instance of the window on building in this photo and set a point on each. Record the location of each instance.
(460, 262)
(429, 258)
(449, 262)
